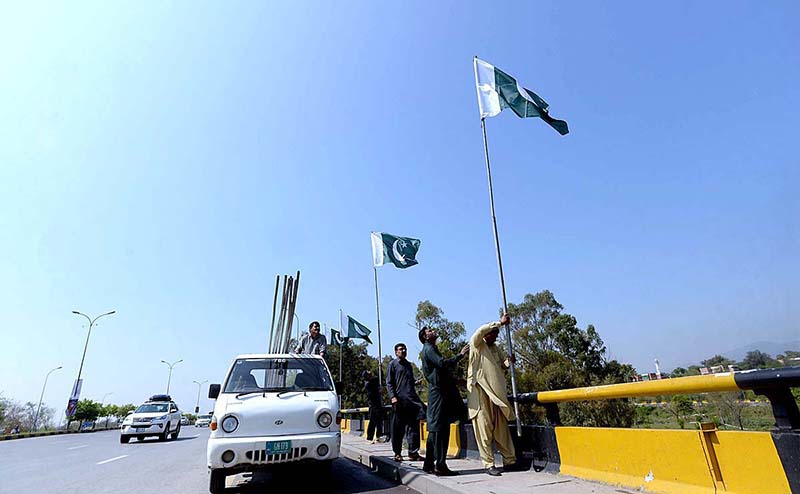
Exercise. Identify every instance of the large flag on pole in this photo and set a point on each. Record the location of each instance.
(400, 251)
(498, 90)
(356, 330)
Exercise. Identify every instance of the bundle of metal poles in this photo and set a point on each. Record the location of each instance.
(280, 333)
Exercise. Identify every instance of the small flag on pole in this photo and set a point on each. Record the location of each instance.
(356, 330)
(336, 337)
(498, 90)
(400, 251)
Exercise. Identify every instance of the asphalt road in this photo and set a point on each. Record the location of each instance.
(98, 463)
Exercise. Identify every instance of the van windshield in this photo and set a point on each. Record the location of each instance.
(278, 374)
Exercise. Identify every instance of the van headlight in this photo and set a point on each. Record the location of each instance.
(324, 420)
(230, 423)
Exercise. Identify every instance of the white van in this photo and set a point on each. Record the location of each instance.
(272, 409)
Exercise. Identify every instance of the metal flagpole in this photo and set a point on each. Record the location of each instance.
(378, 311)
(341, 341)
(502, 278)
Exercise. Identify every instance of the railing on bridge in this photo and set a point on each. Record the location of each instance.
(775, 384)
(705, 461)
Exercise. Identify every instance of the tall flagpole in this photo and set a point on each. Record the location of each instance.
(502, 278)
(341, 342)
(378, 311)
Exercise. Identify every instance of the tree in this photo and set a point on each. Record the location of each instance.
(88, 410)
(680, 406)
(730, 406)
(13, 414)
(355, 360)
(717, 360)
(554, 353)
(757, 359)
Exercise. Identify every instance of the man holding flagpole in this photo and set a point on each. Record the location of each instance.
(487, 401)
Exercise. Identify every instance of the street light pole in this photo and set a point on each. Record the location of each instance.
(39, 407)
(170, 371)
(199, 387)
(91, 323)
(85, 346)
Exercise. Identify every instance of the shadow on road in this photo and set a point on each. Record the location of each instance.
(345, 478)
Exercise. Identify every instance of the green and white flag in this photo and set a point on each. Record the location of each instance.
(336, 337)
(498, 90)
(356, 330)
(400, 251)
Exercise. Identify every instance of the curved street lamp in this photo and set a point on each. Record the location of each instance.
(170, 371)
(39, 407)
(199, 387)
(91, 324)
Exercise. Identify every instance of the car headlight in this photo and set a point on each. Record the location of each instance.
(324, 420)
(163, 417)
(230, 423)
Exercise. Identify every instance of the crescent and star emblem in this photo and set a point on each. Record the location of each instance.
(396, 246)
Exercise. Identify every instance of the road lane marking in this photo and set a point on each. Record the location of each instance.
(112, 459)
(79, 447)
(189, 437)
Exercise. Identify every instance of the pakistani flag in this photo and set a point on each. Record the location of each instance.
(356, 330)
(400, 251)
(336, 337)
(498, 90)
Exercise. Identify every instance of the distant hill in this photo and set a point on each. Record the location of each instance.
(737, 354)
(770, 347)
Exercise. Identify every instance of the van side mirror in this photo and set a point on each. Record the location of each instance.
(213, 391)
(339, 385)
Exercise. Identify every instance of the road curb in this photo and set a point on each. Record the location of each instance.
(398, 472)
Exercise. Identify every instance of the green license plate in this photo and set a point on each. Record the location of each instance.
(278, 447)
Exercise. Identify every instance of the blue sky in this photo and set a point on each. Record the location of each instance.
(168, 162)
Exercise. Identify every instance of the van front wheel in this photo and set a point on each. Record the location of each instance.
(216, 484)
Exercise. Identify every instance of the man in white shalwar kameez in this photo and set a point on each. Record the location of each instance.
(487, 402)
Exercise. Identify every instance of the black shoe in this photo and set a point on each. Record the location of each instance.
(515, 467)
(428, 469)
(415, 457)
(493, 471)
(445, 472)
(398, 458)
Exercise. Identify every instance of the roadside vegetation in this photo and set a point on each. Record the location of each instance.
(19, 418)
(553, 352)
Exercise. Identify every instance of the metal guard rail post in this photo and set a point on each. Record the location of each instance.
(774, 384)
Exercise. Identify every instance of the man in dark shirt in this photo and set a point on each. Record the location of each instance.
(372, 387)
(445, 404)
(406, 404)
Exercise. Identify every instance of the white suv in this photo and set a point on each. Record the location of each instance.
(159, 416)
(272, 410)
